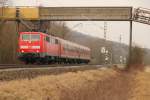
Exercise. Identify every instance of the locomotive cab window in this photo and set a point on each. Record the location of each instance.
(25, 37)
(30, 37)
(35, 37)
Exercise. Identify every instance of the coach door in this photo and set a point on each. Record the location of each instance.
(47, 43)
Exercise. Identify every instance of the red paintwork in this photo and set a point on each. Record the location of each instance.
(28, 43)
(55, 49)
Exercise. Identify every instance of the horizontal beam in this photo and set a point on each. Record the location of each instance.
(25, 13)
(86, 13)
(68, 13)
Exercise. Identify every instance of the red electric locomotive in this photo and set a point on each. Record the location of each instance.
(38, 47)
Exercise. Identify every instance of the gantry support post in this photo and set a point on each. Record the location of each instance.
(130, 45)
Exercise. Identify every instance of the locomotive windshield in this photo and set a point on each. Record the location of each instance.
(30, 37)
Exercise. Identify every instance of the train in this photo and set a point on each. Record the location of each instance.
(41, 48)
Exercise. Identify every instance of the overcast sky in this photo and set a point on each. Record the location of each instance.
(141, 32)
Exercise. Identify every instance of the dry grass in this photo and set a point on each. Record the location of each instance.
(141, 88)
(103, 84)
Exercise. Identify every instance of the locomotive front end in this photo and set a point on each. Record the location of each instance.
(29, 46)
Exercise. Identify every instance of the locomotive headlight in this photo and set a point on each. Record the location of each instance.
(35, 47)
(24, 47)
(22, 51)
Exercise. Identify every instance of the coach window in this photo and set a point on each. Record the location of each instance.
(56, 41)
(73, 49)
(53, 41)
(50, 39)
(67, 47)
(70, 48)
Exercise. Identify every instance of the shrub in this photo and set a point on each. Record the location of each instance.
(137, 58)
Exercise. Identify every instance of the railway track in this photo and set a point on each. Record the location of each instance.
(15, 66)
(12, 71)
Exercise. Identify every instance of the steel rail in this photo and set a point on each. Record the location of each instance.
(15, 66)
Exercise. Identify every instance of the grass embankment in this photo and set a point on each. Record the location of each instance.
(101, 84)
